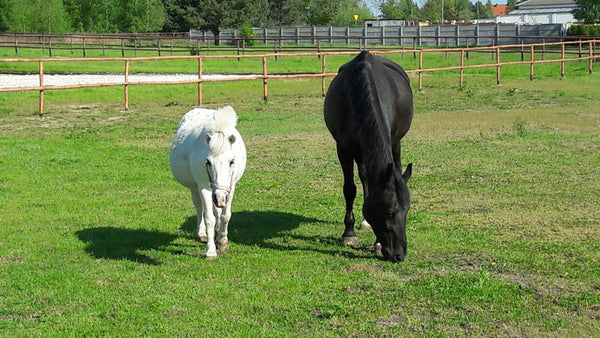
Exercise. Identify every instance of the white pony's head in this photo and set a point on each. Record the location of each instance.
(220, 160)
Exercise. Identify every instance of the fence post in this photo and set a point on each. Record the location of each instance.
(532, 63)
(457, 35)
(543, 49)
(522, 50)
(323, 77)
(591, 57)
(319, 48)
(17, 47)
(462, 64)
(83, 45)
(562, 59)
(41, 106)
(50, 46)
(126, 84)
(497, 65)
(265, 90)
(199, 80)
(347, 35)
(420, 68)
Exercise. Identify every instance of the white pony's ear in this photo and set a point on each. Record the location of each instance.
(232, 139)
(207, 138)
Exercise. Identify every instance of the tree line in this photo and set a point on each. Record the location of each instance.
(136, 16)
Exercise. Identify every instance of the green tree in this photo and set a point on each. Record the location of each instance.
(463, 10)
(141, 16)
(35, 16)
(510, 5)
(176, 16)
(588, 11)
(320, 12)
(432, 11)
(481, 12)
(347, 10)
(285, 13)
(399, 9)
(213, 15)
(489, 9)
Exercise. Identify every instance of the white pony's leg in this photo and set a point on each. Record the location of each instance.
(209, 221)
(200, 226)
(222, 230)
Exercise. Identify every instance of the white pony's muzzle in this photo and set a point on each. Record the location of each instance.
(220, 197)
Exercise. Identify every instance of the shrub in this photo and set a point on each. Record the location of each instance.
(588, 30)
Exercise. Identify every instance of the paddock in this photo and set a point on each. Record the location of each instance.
(98, 239)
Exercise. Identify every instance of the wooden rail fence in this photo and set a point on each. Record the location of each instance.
(264, 75)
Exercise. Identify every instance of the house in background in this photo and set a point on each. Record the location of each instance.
(541, 12)
(500, 9)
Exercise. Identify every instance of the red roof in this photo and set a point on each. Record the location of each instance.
(500, 9)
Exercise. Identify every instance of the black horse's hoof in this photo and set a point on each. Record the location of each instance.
(347, 241)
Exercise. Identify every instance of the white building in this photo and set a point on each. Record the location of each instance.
(541, 12)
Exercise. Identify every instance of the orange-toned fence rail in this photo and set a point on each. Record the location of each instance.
(590, 56)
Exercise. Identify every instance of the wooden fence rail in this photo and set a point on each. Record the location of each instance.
(322, 56)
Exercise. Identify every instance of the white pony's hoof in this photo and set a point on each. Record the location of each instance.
(223, 246)
(210, 257)
(364, 225)
(202, 238)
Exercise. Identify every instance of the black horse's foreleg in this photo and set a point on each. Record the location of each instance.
(346, 161)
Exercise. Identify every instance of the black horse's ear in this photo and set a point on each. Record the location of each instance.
(407, 172)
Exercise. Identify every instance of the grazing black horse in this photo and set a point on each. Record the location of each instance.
(368, 109)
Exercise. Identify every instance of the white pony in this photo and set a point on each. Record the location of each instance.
(208, 156)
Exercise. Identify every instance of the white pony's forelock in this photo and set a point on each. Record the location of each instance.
(225, 118)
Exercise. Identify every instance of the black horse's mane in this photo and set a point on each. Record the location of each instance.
(365, 103)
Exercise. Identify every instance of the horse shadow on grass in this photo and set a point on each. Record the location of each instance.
(118, 243)
(274, 230)
(265, 229)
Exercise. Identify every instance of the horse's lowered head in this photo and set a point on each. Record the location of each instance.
(220, 165)
(386, 207)
(221, 155)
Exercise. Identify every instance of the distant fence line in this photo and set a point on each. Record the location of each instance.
(295, 39)
(456, 35)
(265, 76)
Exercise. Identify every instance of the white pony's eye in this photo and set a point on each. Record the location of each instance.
(231, 163)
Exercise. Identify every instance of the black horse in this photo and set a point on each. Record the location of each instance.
(368, 109)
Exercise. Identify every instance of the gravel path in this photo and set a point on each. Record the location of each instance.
(33, 80)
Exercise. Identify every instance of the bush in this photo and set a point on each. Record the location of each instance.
(247, 34)
(588, 30)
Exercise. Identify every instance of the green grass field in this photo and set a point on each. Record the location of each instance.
(96, 237)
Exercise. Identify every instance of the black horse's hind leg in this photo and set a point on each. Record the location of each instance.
(346, 161)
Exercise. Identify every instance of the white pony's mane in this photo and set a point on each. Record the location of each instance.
(225, 118)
